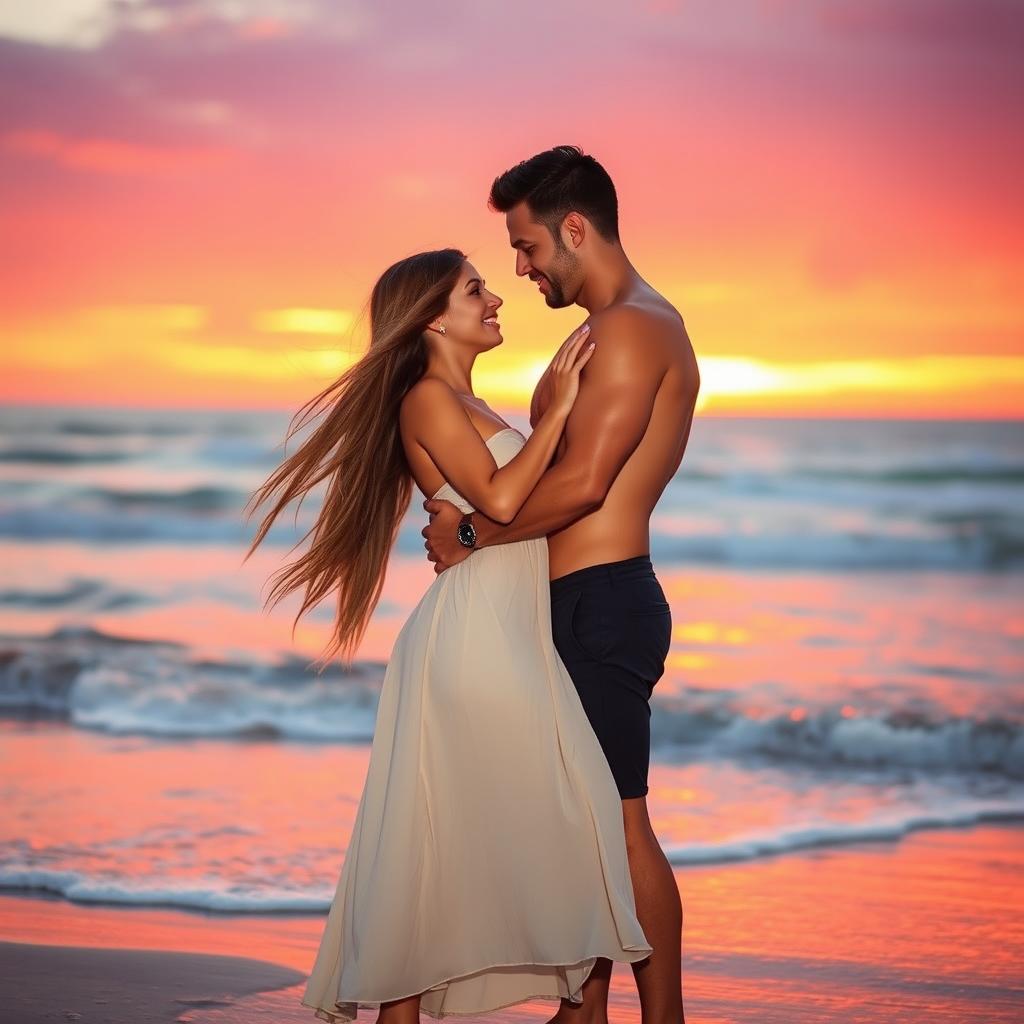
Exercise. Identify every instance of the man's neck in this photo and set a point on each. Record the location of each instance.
(610, 277)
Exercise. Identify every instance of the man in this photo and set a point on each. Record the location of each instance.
(623, 442)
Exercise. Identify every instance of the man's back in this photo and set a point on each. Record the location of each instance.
(631, 422)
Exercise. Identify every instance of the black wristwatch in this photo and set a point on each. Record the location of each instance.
(467, 531)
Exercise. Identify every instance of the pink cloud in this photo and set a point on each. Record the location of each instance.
(995, 27)
(109, 156)
(841, 136)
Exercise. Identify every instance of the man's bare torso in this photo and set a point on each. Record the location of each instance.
(620, 527)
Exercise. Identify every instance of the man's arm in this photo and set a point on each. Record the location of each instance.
(611, 414)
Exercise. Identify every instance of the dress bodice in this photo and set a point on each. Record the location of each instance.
(504, 445)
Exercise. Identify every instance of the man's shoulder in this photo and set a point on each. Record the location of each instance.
(640, 341)
(651, 317)
(642, 332)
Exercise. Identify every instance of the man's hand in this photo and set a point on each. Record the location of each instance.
(443, 547)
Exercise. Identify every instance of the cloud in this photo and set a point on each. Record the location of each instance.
(993, 27)
(110, 156)
(88, 24)
(850, 158)
(242, 363)
(70, 23)
(148, 318)
(303, 321)
(724, 376)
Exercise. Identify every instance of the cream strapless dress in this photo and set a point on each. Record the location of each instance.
(487, 864)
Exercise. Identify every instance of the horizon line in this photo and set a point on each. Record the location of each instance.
(15, 404)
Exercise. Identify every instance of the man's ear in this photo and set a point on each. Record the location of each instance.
(574, 229)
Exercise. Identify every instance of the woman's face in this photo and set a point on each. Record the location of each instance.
(471, 318)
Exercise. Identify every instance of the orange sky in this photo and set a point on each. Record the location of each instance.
(196, 197)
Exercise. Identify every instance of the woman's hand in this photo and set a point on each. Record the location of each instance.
(565, 369)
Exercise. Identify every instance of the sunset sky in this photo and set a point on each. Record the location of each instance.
(196, 197)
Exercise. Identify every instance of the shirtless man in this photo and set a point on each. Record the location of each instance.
(622, 444)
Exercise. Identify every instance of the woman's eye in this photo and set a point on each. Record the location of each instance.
(475, 291)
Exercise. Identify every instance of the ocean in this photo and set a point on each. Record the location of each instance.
(846, 666)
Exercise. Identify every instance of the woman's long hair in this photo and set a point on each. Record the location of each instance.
(358, 449)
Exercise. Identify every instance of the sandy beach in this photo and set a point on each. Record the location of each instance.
(926, 929)
(89, 984)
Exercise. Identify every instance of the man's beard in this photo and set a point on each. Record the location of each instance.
(564, 260)
(555, 296)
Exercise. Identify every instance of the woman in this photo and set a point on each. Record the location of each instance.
(487, 864)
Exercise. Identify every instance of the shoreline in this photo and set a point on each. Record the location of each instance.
(748, 850)
(903, 932)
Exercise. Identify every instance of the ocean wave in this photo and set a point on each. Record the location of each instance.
(66, 522)
(120, 685)
(188, 499)
(978, 543)
(923, 475)
(829, 834)
(108, 428)
(124, 686)
(80, 593)
(212, 894)
(62, 456)
(223, 897)
(73, 593)
(829, 738)
(958, 542)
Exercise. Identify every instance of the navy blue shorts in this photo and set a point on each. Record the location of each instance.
(612, 627)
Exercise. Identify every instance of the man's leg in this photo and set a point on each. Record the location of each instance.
(612, 627)
(660, 912)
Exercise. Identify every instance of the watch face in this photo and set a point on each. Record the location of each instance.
(467, 535)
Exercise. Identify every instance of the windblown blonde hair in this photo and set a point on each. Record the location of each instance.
(358, 450)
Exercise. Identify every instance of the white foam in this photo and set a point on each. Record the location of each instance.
(216, 896)
(882, 829)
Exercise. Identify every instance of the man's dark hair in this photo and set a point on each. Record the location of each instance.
(555, 182)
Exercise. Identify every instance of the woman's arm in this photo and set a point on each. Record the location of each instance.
(436, 419)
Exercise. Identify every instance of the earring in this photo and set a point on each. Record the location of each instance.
(443, 329)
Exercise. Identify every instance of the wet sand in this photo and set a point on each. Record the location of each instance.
(75, 983)
(926, 929)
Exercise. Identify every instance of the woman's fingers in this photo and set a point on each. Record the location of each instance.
(572, 352)
(567, 352)
(580, 332)
(583, 357)
(581, 344)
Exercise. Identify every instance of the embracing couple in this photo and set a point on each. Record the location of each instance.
(502, 851)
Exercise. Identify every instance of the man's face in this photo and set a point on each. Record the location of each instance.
(544, 259)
